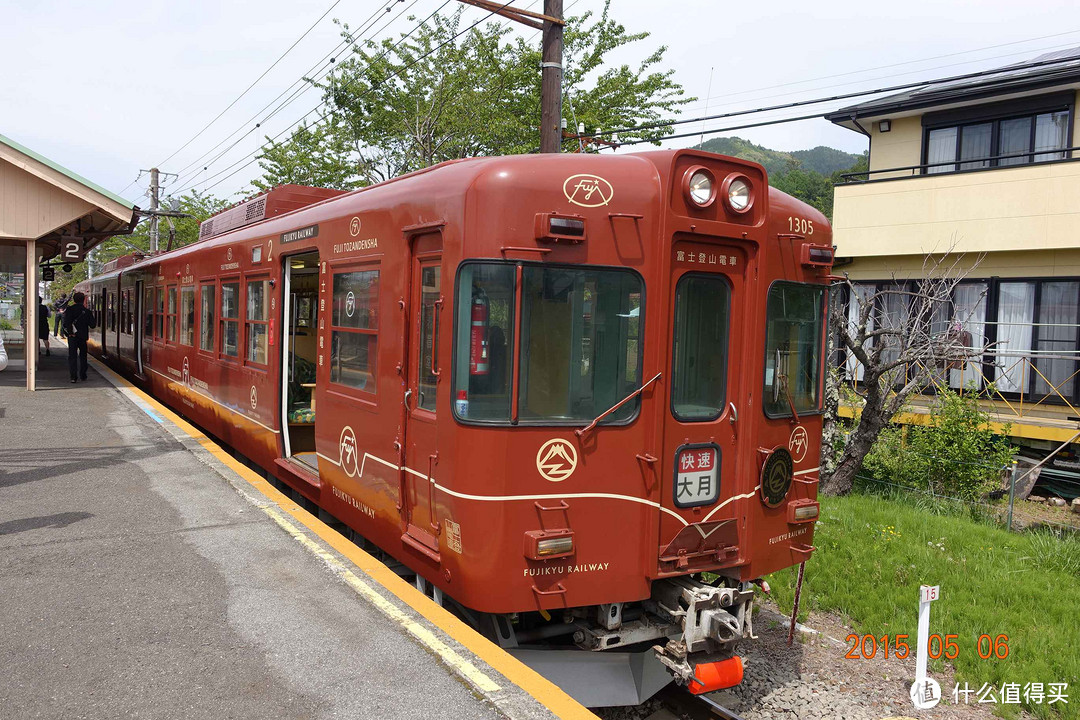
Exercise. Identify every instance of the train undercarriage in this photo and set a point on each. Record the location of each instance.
(623, 653)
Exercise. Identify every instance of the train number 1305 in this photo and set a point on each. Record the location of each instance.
(800, 225)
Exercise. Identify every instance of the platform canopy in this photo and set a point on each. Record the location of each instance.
(45, 208)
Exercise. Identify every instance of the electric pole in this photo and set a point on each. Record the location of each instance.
(155, 210)
(155, 188)
(551, 23)
(551, 56)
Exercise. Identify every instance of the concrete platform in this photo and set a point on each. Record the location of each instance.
(143, 573)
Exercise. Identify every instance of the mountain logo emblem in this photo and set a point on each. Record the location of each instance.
(556, 460)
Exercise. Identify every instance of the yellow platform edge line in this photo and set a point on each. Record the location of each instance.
(543, 690)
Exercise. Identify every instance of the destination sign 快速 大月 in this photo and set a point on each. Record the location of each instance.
(304, 233)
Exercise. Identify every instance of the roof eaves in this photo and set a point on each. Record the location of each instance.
(64, 171)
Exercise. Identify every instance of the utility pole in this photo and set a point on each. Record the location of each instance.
(551, 57)
(155, 189)
(551, 23)
(155, 210)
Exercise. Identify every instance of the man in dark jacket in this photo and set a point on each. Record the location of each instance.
(78, 322)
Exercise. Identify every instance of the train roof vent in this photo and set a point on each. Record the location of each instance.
(273, 202)
(123, 261)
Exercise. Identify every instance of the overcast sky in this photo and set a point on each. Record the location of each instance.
(112, 87)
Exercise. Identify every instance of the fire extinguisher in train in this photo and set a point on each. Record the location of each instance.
(479, 362)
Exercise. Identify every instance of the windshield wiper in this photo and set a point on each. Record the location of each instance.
(581, 431)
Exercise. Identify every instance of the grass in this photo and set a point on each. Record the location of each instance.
(874, 551)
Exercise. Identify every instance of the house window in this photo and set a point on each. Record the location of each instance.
(1018, 140)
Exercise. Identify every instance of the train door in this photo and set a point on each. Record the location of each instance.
(420, 461)
(146, 324)
(708, 365)
(299, 357)
(103, 304)
(137, 321)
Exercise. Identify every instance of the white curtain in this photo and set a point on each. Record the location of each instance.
(942, 149)
(1016, 312)
(1051, 131)
(1057, 338)
(969, 312)
(853, 367)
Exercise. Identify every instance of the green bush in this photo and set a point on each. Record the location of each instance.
(956, 454)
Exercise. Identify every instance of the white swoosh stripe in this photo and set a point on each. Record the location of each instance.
(221, 405)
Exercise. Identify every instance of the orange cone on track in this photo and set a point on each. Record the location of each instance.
(717, 675)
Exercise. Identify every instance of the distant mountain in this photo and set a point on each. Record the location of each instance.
(824, 160)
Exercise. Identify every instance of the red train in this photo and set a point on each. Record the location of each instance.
(578, 395)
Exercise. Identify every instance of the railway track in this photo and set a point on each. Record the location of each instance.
(694, 707)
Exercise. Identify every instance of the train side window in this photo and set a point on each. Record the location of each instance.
(187, 315)
(354, 329)
(230, 319)
(484, 342)
(148, 312)
(256, 322)
(699, 377)
(429, 338)
(795, 318)
(124, 312)
(112, 312)
(159, 312)
(170, 314)
(206, 317)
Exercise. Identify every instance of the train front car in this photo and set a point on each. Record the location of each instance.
(636, 387)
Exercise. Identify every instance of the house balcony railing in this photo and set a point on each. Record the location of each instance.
(1028, 387)
(958, 166)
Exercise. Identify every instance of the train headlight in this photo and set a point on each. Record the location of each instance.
(738, 193)
(699, 186)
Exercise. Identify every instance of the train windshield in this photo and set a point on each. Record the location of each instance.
(795, 322)
(579, 350)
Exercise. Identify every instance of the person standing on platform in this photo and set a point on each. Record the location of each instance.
(78, 322)
(43, 324)
(58, 310)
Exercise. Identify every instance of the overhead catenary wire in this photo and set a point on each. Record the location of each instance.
(253, 84)
(818, 101)
(303, 117)
(911, 62)
(244, 162)
(298, 87)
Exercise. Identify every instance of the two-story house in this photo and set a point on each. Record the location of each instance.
(983, 169)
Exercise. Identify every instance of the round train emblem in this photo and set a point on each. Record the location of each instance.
(587, 190)
(254, 398)
(347, 451)
(798, 443)
(556, 460)
(354, 226)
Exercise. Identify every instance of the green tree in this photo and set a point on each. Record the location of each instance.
(811, 187)
(449, 92)
(317, 156)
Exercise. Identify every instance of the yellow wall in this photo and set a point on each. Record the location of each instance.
(1027, 207)
(1022, 263)
(900, 147)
